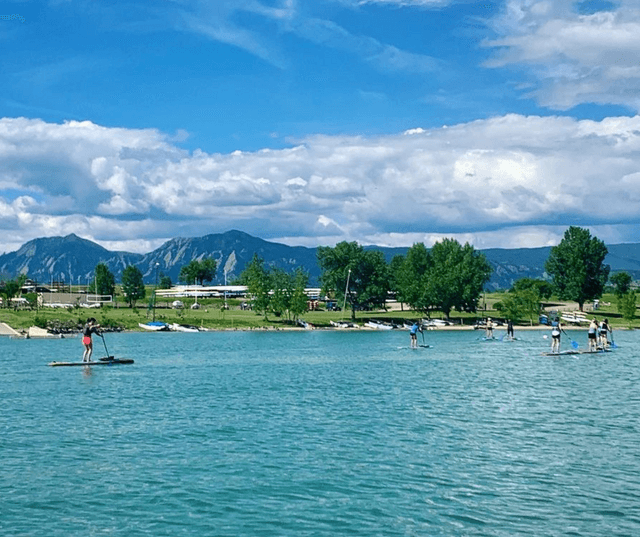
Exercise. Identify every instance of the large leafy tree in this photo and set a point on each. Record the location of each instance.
(627, 306)
(413, 277)
(256, 277)
(361, 274)
(198, 271)
(542, 288)
(621, 282)
(11, 288)
(104, 282)
(132, 285)
(577, 266)
(287, 295)
(456, 277)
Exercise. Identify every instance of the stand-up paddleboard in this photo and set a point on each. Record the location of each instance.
(114, 361)
(574, 351)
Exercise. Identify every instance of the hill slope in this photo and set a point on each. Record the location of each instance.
(73, 258)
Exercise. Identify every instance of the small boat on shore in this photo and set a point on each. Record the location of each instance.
(175, 327)
(377, 325)
(155, 326)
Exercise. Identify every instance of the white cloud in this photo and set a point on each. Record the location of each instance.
(510, 181)
(573, 58)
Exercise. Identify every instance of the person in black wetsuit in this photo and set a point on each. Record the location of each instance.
(90, 328)
(510, 329)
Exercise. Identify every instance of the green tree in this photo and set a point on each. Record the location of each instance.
(521, 304)
(627, 306)
(413, 277)
(11, 289)
(299, 298)
(362, 275)
(281, 290)
(198, 271)
(544, 289)
(456, 277)
(396, 273)
(104, 282)
(256, 277)
(132, 285)
(621, 282)
(577, 266)
(165, 282)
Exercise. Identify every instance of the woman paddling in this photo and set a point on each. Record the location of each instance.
(90, 328)
(555, 336)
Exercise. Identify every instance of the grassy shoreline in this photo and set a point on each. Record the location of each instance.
(213, 316)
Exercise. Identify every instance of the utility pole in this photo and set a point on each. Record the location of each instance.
(154, 292)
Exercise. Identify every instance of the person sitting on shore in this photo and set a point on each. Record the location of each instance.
(89, 328)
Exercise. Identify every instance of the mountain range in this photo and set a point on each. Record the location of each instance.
(74, 259)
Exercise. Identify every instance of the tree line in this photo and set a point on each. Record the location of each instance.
(446, 277)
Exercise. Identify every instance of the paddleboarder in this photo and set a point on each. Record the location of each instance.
(489, 329)
(413, 333)
(91, 327)
(555, 336)
(593, 335)
(510, 329)
(603, 332)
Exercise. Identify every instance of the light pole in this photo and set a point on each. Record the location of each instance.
(154, 292)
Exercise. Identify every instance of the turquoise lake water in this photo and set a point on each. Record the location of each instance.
(319, 433)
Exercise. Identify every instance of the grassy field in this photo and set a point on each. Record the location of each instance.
(212, 315)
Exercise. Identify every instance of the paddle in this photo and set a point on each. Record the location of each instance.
(574, 344)
(108, 357)
(613, 343)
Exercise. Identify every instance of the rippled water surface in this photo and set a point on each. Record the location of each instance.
(319, 433)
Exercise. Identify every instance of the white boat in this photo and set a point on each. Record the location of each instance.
(377, 325)
(434, 323)
(343, 324)
(305, 324)
(155, 326)
(183, 328)
(574, 318)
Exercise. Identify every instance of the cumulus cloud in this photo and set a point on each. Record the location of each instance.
(572, 57)
(510, 180)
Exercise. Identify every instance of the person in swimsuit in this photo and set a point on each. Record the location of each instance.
(414, 334)
(90, 328)
(603, 330)
(593, 335)
(555, 336)
(489, 328)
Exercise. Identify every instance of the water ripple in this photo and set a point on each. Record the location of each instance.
(320, 433)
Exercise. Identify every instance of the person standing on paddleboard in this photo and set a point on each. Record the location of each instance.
(90, 328)
(510, 329)
(489, 329)
(603, 330)
(555, 336)
(593, 335)
(413, 333)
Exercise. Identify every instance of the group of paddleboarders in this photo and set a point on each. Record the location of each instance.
(597, 335)
(91, 327)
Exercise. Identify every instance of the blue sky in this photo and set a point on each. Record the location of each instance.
(310, 122)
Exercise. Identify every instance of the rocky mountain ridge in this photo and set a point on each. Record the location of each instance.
(72, 258)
